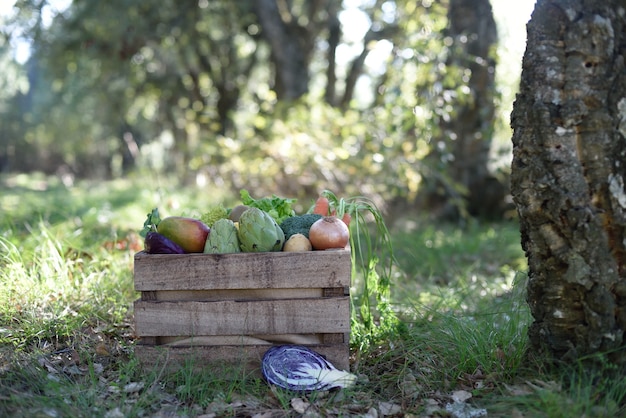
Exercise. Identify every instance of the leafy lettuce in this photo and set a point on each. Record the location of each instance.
(279, 208)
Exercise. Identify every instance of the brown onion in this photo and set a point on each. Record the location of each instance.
(329, 232)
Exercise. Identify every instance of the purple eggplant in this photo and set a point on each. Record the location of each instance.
(301, 369)
(156, 243)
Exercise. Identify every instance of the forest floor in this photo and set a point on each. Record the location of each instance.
(460, 348)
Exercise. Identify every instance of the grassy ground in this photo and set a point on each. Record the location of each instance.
(66, 326)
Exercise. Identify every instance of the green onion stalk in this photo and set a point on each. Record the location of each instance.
(372, 255)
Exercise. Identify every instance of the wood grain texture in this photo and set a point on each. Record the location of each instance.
(289, 316)
(311, 269)
(230, 308)
(243, 294)
(233, 294)
(246, 357)
(259, 339)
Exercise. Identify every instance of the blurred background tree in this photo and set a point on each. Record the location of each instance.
(465, 112)
(395, 100)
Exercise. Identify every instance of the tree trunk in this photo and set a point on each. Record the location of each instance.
(334, 38)
(290, 46)
(567, 179)
(468, 112)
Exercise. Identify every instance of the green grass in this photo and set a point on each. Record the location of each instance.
(66, 327)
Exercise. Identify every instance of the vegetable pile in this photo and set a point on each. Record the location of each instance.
(331, 222)
(255, 225)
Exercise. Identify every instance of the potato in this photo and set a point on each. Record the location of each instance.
(298, 242)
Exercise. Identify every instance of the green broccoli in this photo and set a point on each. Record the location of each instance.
(213, 214)
(299, 224)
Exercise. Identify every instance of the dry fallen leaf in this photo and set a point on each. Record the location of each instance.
(269, 414)
(371, 413)
(98, 368)
(463, 410)
(461, 396)
(71, 357)
(431, 406)
(541, 385)
(299, 405)
(217, 407)
(389, 408)
(409, 386)
(101, 350)
(45, 363)
(518, 390)
(133, 387)
(516, 413)
(114, 413)
(72, 370)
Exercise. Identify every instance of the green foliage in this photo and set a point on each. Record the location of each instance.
(279, 208)
(575, 390)
(48, 278)
(487, 337)
(444, 254)
(151, 223)
(187, 91)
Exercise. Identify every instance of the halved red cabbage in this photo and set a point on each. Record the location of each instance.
(299, 368)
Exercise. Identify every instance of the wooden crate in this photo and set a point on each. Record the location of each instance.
(230, 308)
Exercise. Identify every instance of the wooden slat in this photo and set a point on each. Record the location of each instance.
(291, 316)
(311, 269)
(336, 338)
(240, 294)
(247, 357)
(259, 339)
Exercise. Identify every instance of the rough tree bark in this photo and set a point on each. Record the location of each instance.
(567, 179)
